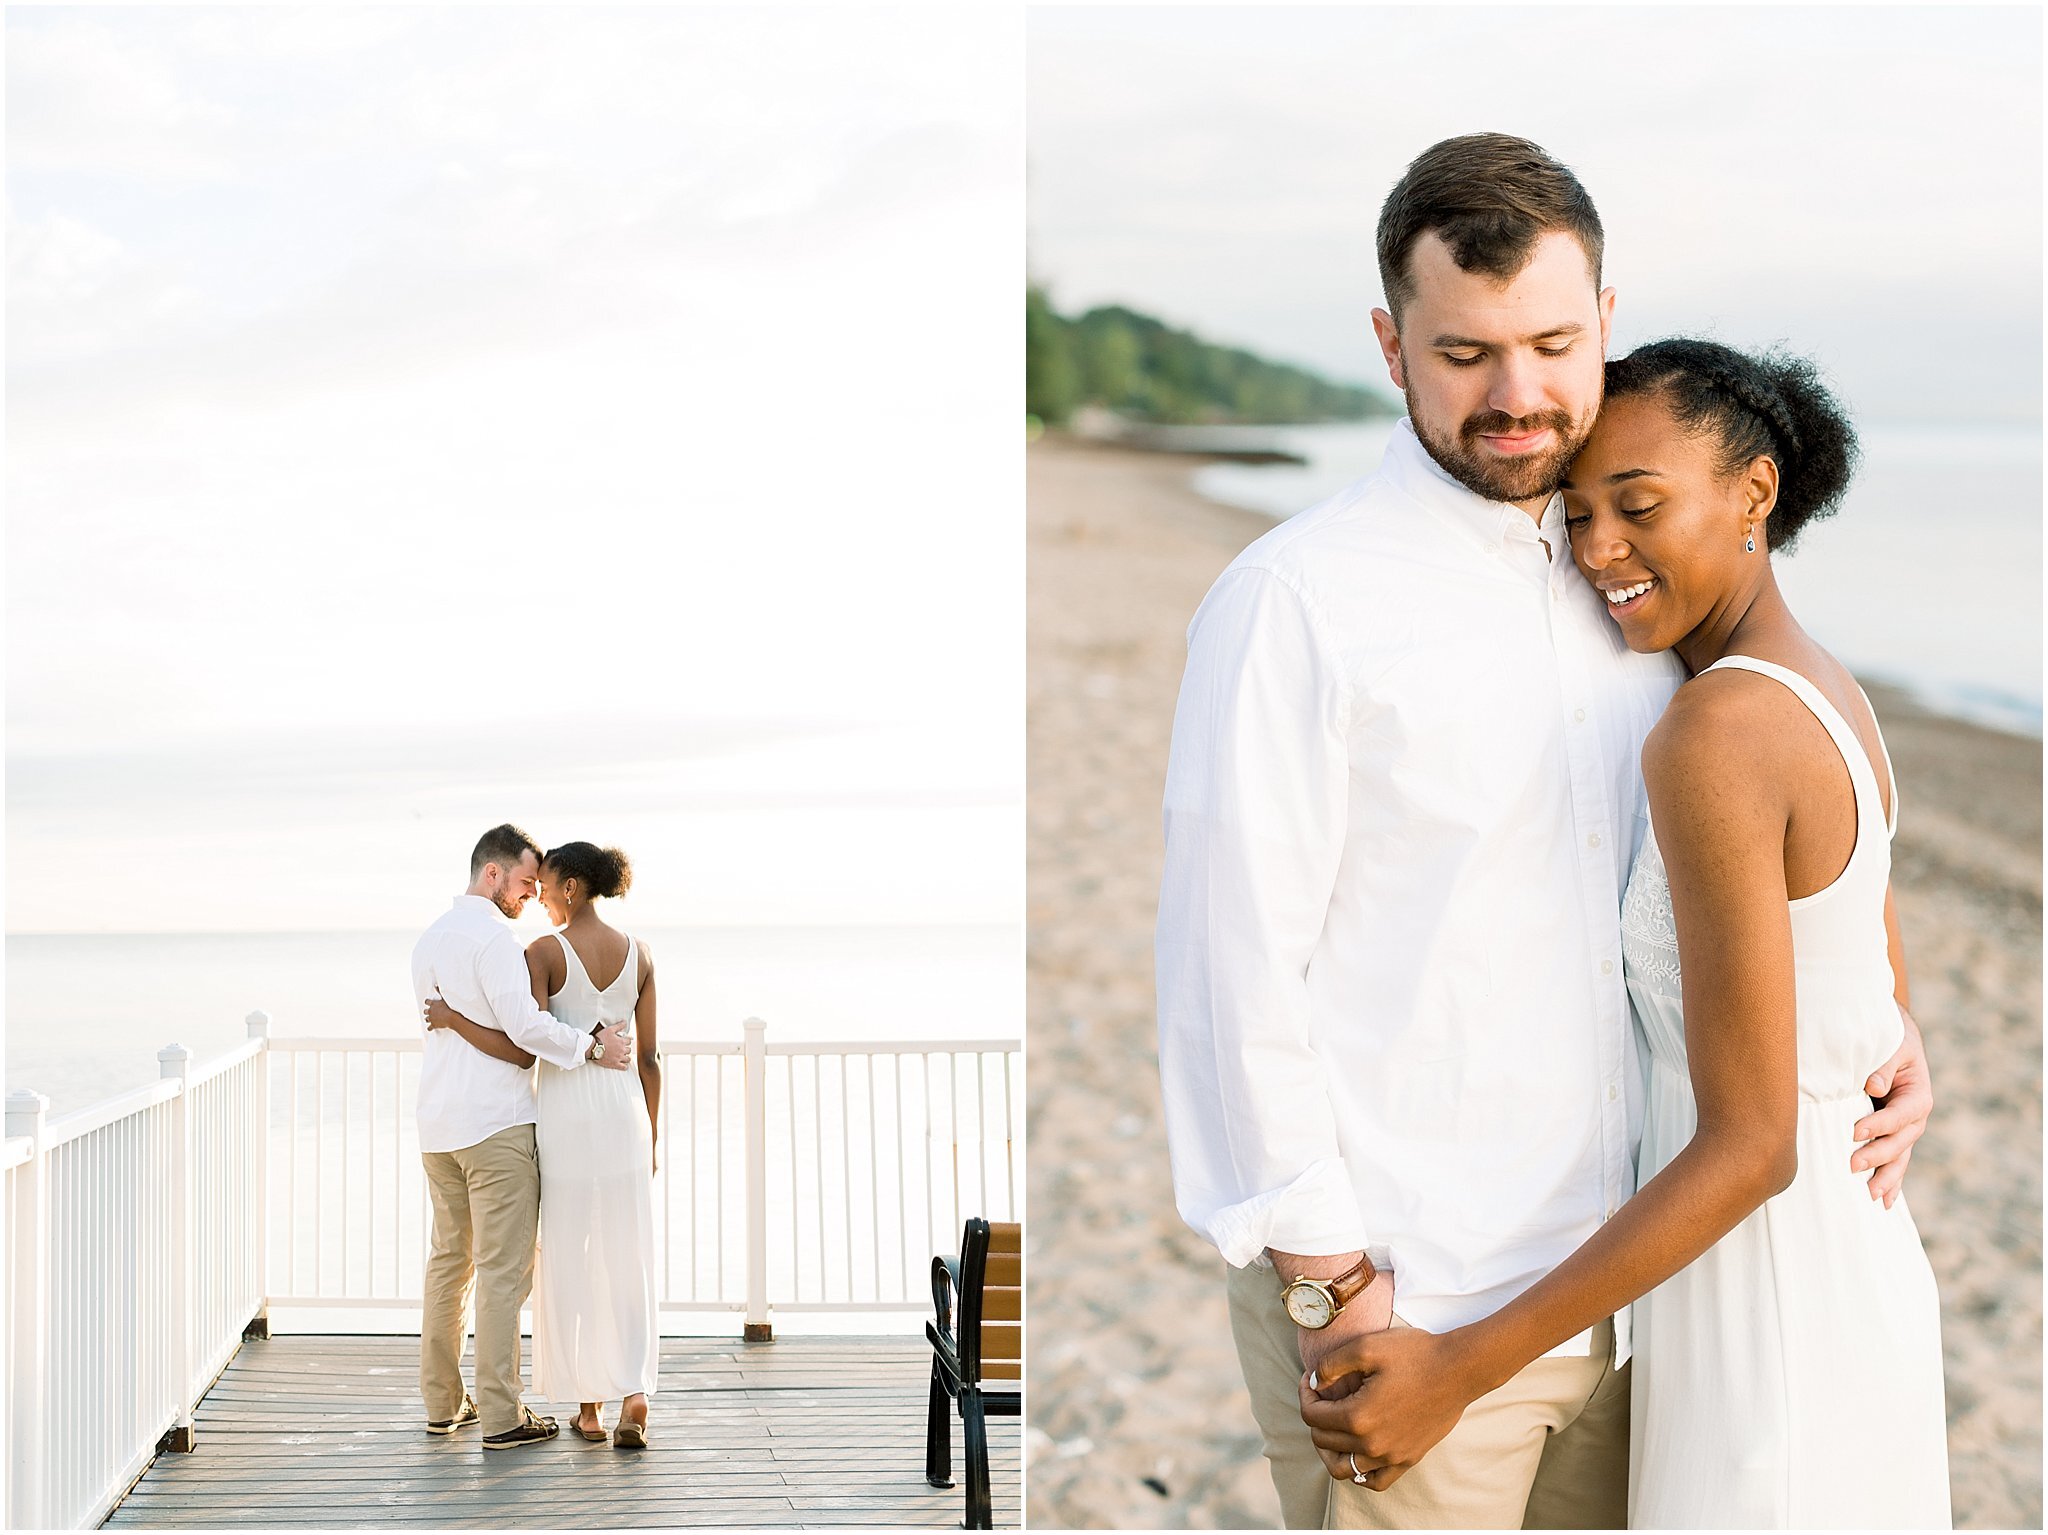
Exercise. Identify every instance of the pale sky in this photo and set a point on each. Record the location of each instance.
(1863, 182)
(602, 419)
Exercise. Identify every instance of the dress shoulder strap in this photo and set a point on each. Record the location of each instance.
(1884, 751)
(576, 970)
(1862, 777)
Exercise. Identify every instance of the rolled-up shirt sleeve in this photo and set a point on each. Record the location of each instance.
(510, 994)
(1255, 819)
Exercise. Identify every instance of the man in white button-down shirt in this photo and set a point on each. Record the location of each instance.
(476, 1117)
(1402, 804)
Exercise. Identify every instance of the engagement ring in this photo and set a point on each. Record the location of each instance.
(1358, 1476)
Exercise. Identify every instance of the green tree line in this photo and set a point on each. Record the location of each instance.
(1142, 368)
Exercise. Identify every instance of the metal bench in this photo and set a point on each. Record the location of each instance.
(988, 1281)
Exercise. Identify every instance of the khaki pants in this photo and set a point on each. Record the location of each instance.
(1547, 1451)
(486, 1206)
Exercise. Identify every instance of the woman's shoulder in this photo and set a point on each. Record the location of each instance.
(1733, 735)
(545, 949)
(1726, 722)
(1707, 708)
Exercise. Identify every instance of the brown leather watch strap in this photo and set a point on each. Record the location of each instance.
(1346, 1286)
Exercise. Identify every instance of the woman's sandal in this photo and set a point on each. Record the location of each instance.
(594, 1435)
(630, 1435)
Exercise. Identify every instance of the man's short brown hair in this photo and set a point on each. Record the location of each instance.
(1488, 196)
(504, 846)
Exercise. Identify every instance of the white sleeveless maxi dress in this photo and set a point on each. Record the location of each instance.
(594, 1332)
(1791, 1376)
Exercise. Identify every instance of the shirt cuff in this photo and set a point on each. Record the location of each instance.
(1315, 1214)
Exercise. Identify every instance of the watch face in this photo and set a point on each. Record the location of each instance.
(1309, 1306)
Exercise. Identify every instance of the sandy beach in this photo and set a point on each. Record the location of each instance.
(1137, 1415)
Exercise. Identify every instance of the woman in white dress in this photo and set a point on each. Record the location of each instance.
(1787, 1334)
(594, 1332)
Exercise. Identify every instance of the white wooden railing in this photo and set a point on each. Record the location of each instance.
(147, 1233)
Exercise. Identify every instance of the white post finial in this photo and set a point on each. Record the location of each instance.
(26, 1109)
(174, 1061)
(259, 1024)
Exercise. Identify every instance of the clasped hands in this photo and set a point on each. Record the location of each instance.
(617, 1040)
(1348, 1368)
(1379, 1402)
(1377, 1398)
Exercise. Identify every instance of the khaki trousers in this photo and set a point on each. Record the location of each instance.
(1547, 1451)
(486, 1207)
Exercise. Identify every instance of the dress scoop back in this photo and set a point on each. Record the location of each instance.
(1791, 1376)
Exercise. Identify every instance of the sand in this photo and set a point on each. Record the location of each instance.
(1137, 1416)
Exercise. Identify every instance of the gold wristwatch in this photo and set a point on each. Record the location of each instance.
(596, 1050)
(1314, 1303)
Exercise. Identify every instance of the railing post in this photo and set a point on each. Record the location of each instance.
(757, 1329)
(176, 1061)
(28, 1280)
(258, 1325)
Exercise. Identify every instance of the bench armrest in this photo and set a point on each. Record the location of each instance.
(945, 1285)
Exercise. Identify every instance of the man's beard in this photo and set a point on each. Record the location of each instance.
(1488, 474)
(504, 904)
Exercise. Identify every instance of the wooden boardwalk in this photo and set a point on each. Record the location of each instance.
(806, 1433)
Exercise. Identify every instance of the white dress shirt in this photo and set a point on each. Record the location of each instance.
(472, 960)
(1402, 803)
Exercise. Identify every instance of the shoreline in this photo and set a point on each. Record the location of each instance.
(1905, 695)
(1138, 1417)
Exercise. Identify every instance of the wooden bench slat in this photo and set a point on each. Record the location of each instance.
(1005, 1269)
(1005, 1237)
(1002, 1303)
(1002, 1340)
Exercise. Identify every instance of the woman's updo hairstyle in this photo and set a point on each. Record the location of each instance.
(1773, 405)
(603, 870)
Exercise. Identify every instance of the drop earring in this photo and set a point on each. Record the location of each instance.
(1749, 542)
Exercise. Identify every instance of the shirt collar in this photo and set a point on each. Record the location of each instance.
(1491, 525)
(466, 900)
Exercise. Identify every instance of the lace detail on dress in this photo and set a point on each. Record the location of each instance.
(1649, 931)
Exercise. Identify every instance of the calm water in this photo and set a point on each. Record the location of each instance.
(1928, 577)
(86, 1014)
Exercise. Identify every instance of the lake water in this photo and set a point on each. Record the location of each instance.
(86, 1013)
(1928, 577)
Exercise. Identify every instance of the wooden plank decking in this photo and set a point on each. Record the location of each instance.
(804, 1432)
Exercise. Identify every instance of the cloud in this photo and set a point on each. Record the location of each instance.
(84, 95)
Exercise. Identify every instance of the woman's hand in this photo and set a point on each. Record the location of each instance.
(439, 1014)
(1384, 1399)
(1904, 1097)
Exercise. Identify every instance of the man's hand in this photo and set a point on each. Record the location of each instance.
(1904, 1092)
(1371, 1310)
(1384, 1401)
(438, 1014)
(618, 1048)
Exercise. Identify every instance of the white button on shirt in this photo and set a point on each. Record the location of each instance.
(1390, 1008)
(471, 958)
